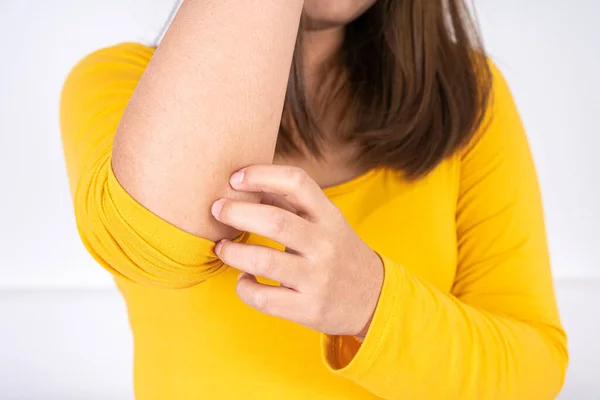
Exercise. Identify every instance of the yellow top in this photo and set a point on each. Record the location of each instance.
(467, 309)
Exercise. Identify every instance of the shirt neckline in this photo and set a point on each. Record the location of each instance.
(351, 185)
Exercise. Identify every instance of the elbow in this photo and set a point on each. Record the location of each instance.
(132, 243)
(555, 374)
(126, 255)
(551, 370)
(561, 362)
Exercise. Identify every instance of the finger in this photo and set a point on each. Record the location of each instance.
(263, 261)
(293, 183)
(273, 300)
(276, 200)
(271, 222)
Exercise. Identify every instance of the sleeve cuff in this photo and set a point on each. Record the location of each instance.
(147, 249)
(345, 355)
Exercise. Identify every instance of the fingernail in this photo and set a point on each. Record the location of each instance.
(215, 210)
(240, 276)
(218, 247)
(237, 178)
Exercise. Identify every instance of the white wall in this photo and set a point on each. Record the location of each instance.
(40, 40)
(549, 51)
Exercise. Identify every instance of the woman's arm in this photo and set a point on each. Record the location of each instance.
(498, 335)
(204, 104)
(209, 103)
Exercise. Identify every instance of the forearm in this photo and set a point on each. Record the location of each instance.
(424, 343)
(208, 104)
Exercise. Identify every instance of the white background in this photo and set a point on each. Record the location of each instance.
(548, 50)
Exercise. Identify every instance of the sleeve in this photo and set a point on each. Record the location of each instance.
(124, 237)
(498, 334)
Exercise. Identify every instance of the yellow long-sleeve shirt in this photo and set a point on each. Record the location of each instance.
(467, 309)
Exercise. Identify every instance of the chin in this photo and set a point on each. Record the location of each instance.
(323, 14)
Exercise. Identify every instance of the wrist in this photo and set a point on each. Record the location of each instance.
(376, 272)
(363, 333)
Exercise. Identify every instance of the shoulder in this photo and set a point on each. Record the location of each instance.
(101, 83)
(501, 99)
(501, 128)
(126, 53)
(123, 60)
(103, 78)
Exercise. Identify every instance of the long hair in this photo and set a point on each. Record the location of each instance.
(414, 88)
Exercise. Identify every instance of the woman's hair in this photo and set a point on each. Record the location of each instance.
(410, 87)
(414, 87)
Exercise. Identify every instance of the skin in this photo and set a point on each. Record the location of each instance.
(330, 278)
(325, 15)
(201, 112)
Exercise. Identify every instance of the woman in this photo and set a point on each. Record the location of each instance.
(420, 271)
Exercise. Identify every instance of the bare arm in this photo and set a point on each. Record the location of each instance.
(208, 104)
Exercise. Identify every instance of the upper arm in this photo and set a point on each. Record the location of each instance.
(503, 262)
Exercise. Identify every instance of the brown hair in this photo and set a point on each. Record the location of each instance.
(416, 84)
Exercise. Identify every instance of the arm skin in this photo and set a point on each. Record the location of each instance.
(209, 103)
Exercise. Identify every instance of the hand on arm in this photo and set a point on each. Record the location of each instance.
(330, 278)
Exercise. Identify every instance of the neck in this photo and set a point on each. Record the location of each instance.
(319, 47)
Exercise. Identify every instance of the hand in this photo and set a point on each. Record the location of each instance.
(330, 279)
